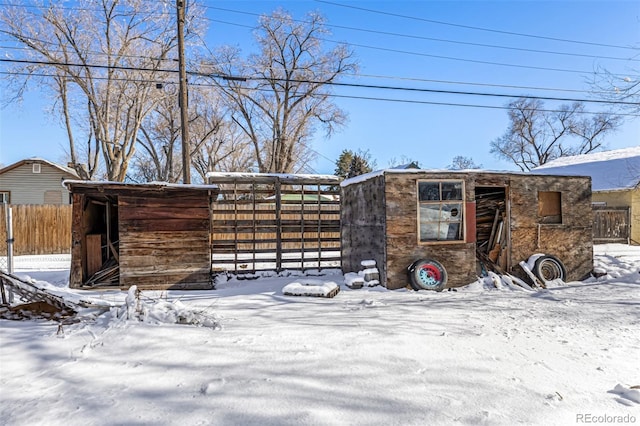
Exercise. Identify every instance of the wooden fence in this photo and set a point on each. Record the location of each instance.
(611, 225)
(37, 229)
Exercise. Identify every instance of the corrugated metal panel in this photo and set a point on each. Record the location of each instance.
(27, 187)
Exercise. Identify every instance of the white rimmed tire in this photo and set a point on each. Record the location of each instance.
(427, 274)
(549, 268)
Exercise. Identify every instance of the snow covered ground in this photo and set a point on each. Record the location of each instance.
(563, 356)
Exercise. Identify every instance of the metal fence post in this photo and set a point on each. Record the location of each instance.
(9, 240)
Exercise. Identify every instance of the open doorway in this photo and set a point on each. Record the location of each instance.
(101, 235)
(492, 228)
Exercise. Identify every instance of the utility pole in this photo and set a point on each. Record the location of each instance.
(183, 100)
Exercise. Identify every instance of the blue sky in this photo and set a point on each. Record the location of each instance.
(395, 44)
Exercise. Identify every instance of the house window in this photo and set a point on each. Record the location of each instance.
(549, 207)
(5, 197)
(440, 210)
(35, 168)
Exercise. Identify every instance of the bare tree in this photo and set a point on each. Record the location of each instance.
(283, 91)
(622, 90)
(227, 150)
(460, 162)
(158, 155)
(536, 136)
(105, 58)
(215, 144)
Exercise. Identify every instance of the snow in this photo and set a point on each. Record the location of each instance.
(310, 287)
(609, 170)
(284, 176)
(247, 354)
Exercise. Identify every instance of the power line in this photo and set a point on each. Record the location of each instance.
(411, 101)
(92, 52)
(427, 55)
(371, 98)
(474, 61)
(454, 92)
(468, 83)
(441, 40)
(471, 27)
(386, 77)
(352, 85)
(536, 36)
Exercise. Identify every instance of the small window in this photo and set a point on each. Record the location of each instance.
(440, 210)
(35, 168)
(5, 197)
(549, 207)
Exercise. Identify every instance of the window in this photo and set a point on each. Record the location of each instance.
(5, 197)
(440, 210)
(35, 168)
(549, 207)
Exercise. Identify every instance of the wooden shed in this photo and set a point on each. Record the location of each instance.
(397, 217)
(155, 236)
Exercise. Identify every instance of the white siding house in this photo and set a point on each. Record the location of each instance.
(35, 181)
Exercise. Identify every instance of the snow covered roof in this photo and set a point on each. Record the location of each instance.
(609, 170)
(69, 183)
(64, 169)
(367, 176)
(228, 176)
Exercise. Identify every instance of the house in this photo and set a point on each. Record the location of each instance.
(35, 181)
(435, 224)
(615, 177)
(161, 236)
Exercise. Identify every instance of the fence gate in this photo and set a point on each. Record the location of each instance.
(611, 225)
(262, 222)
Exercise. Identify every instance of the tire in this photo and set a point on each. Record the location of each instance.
(549, 268)
(427, 274)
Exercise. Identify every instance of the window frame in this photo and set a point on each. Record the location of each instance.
(7, 194)
(461, 221)
(550, 202)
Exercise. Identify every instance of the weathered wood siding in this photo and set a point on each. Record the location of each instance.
(363, 225)
(164, 241)
(26, 187)
(37, 229)
(78, 247)
(571, 240)
(401, 239)
(611, 225)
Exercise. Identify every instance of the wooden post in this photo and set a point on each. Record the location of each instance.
(278, 225)
(302, 208)
(184, 97)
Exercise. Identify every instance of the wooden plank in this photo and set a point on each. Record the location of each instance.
(94, 253)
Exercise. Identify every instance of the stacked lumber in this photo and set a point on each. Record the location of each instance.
(490, 212)
(107, 275)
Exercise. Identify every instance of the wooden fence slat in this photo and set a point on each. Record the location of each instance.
(38, 229)
(611, 225)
